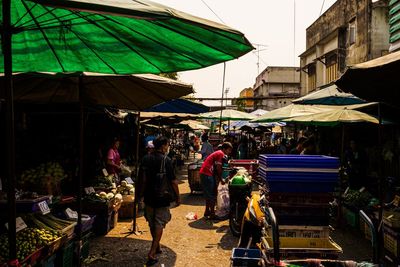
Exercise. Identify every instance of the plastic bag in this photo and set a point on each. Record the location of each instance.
(222, 200)
(191, 216)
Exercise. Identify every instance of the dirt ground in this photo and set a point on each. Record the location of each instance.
(184, 242)
(191, 243)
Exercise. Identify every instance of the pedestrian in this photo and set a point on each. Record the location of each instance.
(299, 146)
(206, 148)
(243, 148)
(211, 176)
(114, 159)
(154, 167)
(282, 149)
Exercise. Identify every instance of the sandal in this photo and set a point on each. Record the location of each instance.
(151, 262)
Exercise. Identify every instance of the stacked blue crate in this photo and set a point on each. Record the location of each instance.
(299, 173)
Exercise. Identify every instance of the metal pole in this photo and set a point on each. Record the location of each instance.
(222, 99)
(81, 162)
(137, 185)
(10, 135)
(381, 185)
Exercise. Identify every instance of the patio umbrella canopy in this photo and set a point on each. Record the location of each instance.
(374, 80)
(227, 114)
(334, 117)
(134, 92)
(295, 110)
(123, 37)
(330, 95)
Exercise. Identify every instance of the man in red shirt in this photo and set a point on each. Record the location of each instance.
(210, 174)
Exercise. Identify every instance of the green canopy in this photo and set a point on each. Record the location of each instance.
(295, 110)
(334, 117)
(124, 37)
(227, 114)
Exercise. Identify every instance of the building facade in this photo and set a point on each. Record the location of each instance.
(247, 104)
(278, 86)
(394, 24)
(349, 32)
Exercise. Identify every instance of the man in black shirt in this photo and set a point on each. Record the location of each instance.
(157, 211)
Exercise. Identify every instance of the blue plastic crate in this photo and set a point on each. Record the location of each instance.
(245, 257)
(299, 161)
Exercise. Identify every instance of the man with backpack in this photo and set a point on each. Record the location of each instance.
(159, 187)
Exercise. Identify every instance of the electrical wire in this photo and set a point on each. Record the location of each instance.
(204, 2)
(322, 7)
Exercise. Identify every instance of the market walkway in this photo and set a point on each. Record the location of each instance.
(192, 243)
(184, 243)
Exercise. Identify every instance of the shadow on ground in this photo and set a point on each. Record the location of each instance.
(121, 251)
(192, 199)
(203, 224)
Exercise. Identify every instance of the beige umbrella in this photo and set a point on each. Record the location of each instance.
(194, 125)
(295, 110)
(334, 117)
(227, 115)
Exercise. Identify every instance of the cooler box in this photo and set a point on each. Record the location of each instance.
(299, 173)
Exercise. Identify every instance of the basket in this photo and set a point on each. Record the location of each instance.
(85, 246)
(69, 230)
(26, 205)
(126, 210)
(54, 246)
(245, 257)
(103, 224)
(88, 224)
(350, 217)
(391, 240)
(302, 248)
(302, 231)
(33, 258)
(391, 219)
(48, 262)
(194, 177)
(365, 230)
(251, 165)
(65, 256)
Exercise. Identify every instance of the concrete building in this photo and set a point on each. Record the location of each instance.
(394, 23)
(278, 85)
(349, 32)
(247, 105)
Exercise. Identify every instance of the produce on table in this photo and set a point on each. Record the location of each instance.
(357, 199)
(103, 181)
(126, 189)
(48, 222)
(28, 241)
(47, 174)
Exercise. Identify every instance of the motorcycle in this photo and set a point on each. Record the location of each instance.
(239, 190)
(253, 219)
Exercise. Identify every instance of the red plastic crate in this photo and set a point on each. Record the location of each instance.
(251, 165)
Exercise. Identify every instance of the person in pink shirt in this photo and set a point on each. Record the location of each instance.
(210, 175)
(114, 159)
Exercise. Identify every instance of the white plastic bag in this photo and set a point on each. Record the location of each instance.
(222, 200)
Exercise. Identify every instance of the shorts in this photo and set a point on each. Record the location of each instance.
(208, 184)
(157, 217)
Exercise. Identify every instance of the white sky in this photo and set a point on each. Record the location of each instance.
(267, 22)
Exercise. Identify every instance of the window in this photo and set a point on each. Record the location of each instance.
(312, 77)
(331, 71)
(352, 31)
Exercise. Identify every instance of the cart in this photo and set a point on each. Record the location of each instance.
(251, 165)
